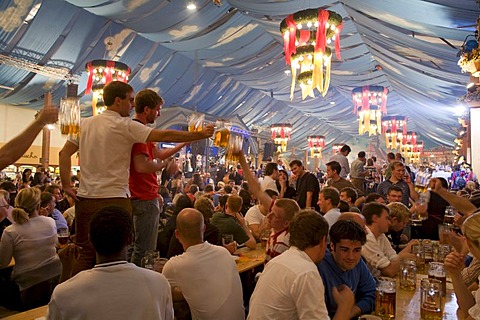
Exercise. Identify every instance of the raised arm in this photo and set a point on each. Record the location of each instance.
(253, 183)
(461, 204)
(180, 136)
(65, 161)
(15, 148)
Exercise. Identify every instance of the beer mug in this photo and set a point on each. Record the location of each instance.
(222, 135)
(437, 271)
(428, 251)
(235, 145)
(449, 215)
(431, 307)
(195, 122)
(159, 263)
(408, 274)
(444, 233)
(385, 298)
(417, 250)
(69, 116)
(443, 251)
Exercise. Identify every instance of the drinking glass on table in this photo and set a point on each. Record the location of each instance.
(431, 306)
(63, 236)
(385, 298)
(264, 237)
(417, 250)
(227, 239)
(159, 263)
(437, 271)
(408, 274)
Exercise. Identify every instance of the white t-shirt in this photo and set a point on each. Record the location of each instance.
(332, 216)
(268, 184)
(343, 161)
(254, 216)
(378, 253)
(290, 288)
(208, 278)
(115, 290)
(32, 245)
(105, 148)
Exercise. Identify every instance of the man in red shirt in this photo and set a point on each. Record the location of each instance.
(146, 160)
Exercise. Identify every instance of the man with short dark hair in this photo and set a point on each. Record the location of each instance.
(358, 172)
(105, 144)
(390, 159)
(111, 289)
(394, 194)
(300, 294)
(350, 195)
(307, 186)
(270, 177)
(341, 158)
(334, 180)
(328, 203)
(343, 265)
(205, 275)
(400, 179)
(374, 197)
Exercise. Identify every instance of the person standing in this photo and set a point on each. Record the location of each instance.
(270, 177)
(146, 160)
(341, 158)
(358, 172)
(307, 186)
(105, 145)
(400, 179)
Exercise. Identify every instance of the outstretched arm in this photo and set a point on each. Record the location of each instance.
(253, 183)
(16, 147)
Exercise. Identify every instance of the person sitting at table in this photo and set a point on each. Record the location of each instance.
(381, 258)
(343, 264)
(290, 286)
(399, 218)
(31, 241)
(49, 204)
(114, 288)
(232, 222)
(205, 275)
(255, 217)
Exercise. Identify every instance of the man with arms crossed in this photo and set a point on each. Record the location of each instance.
(105, 146)
(205, 275)
(114, 288)
(343, 264)
(300, 293)
(145, 162)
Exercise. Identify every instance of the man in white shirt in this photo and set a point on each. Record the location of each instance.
(114, 288)
(205, 275)
(378, 252)
(271, 176)
(300, 294)
(105, 146)
(358, 172)
(341, 158)
(328, 200)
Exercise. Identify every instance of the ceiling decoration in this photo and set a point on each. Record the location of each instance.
(409, 47)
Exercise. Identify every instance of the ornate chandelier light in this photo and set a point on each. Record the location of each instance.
(306, 35)
(417, 152)
(101, 73)
(370, 103)
(281, 135)
(316, 143)
(336, 147)
(394, 128)
(409, 143)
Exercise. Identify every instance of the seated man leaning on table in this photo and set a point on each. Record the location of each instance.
(343, 264)
(377, 251)
(114, 288)
(232, 222)
(290, 286)
(205, 275)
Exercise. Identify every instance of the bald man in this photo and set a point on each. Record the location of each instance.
(205, 275)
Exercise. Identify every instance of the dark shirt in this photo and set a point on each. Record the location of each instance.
(237, 177)
(290, 193)
(308, 183)
(343, 183)
(227, 224)
(3, 224)
(385, 185)
(63, 205)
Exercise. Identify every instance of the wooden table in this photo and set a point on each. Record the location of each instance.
(408, 302)
(32, 314)
(250, 259)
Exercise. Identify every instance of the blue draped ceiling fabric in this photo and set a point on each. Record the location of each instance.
(241, 63)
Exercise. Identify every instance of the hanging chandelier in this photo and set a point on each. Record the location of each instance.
(316, 143)
(417, 151)
(101, 73)
(281, 135)
(306, 35)
(336, 147)
(370, 103)
(409, 143)
(394, 128)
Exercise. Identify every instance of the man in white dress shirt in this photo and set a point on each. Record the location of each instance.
(290, 287)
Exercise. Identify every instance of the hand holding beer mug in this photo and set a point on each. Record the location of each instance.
(437, 272)
(69, 116)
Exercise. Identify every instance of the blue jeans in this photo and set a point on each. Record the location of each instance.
(145, 224)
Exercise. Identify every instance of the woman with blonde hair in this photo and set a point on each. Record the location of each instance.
(31, 241)
(454, 262)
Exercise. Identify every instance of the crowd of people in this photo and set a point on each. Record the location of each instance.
(327, 237)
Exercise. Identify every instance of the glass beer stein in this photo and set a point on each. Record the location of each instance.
(437, 271)
(408, 274)
(69, 116)
(222, 135)
(431, 299)
(385, 298)
(235, 145)
(417, 250)
(195, 122)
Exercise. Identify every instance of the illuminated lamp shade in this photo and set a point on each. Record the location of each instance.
(394, 128)
(281, 135)
(370, 103)
(336, 147)
(409, 143)
(417, 152)
(101, 73)
(316, 143)
(306, 35)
